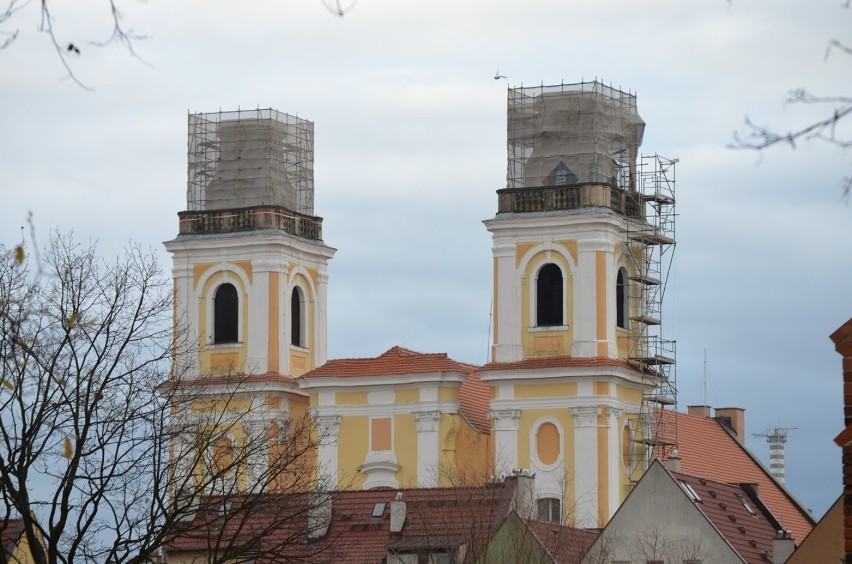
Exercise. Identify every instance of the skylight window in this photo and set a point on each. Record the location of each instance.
(693, 495)
(746, 505)
(378, 510)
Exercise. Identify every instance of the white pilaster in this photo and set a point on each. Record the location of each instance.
(586, 465)
(585, 308)
(506, 423)
(257, 338)
(427, 447)
(321, 322)
(614, 457)
(328, 427)
(508, 346)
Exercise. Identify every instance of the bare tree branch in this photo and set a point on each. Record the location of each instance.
(107, 453)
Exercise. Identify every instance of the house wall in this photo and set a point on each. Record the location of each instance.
(396, 434)
(825, 541)
(658, 513)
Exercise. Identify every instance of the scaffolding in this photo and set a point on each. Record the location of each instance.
(248, 158)
(570, 134)
(650, 239)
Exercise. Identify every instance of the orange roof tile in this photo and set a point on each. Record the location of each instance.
(475, 402)
(396, 361)
(708, 450)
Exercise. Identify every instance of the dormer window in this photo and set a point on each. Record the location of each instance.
(226, 315)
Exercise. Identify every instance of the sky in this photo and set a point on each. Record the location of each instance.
(410, 147)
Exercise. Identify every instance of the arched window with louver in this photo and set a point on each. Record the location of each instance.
(296, 322)
(621, 304)
(549, 296)
(226, 316)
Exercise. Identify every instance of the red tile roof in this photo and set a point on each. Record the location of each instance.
(435, 519)
(219, 379)
(708, 450)
(475, 402)
(750, 533)
(396, 361)
(11, 531)
(474, 394)
(558, 362)
(565, 544)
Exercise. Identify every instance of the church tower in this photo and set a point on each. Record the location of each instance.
(250, 277)
(581, 237)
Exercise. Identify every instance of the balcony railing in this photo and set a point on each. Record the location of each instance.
(551, 198)
(250, 219)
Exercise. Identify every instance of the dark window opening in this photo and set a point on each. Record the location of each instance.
(225, 315)
(549, 296)
(621, 299)
(550, 509)
(296, 318)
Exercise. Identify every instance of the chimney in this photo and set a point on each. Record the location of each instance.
(397, 514)
(523, 496)
(674, 461)
(734, 419)
(319, 515)
(782, 547)
(698, 410)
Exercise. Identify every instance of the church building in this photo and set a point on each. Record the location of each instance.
(582, 240)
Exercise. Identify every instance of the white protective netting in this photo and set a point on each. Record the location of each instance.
(572, 134)
(249, 158)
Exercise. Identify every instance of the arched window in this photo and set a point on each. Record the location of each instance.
(225, 314)
(621, 299)
(549, 294)
(296, 322)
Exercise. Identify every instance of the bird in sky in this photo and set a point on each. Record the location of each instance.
(498, 76)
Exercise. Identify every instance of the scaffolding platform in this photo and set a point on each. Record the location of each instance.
(645, 279)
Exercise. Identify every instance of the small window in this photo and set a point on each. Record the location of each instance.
(225, 315)
(549, 293)
(296, 318)
(621, 299)
(378, 510)
(693, 495)
(550, 509)
(746, 505)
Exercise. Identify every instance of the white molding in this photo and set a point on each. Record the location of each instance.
(616, 375)
(341, 383)
(381, 468)
(563, 402)
(539, 465)
(426, 421)
(505, 419)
